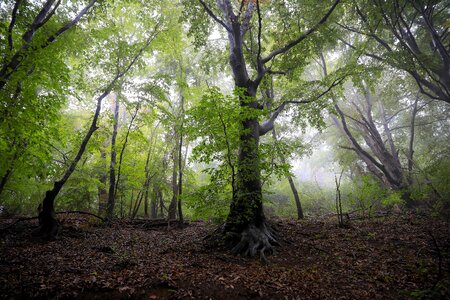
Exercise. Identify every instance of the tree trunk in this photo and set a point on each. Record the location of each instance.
(5, 179)
(246, 231)
(112, 166)
(411, 141)
(122, 151)
(102, 193)
(153, 203)
(130, 209)
(298, 204)
(49, 226)
(173, 203)
(147, 170)
(161, 206)
(180, 165)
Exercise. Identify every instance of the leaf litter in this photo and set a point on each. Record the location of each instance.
(400, 257)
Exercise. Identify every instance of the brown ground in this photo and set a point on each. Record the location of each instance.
(399, 257)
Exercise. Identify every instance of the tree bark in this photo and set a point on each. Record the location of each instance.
(180, 165)
(102, 193)
(153, 203)
(5, 178)
(411, 141)
(173, 203)
(147, 170)
(112, 165)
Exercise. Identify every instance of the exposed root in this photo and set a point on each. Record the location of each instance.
(256, 240)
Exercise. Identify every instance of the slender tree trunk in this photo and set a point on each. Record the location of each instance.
(122, 151)
(411, 141)
(180, 165)
(153, 203)
(173, 203)
(291, 184)
(102, 193)
(5, 179)
(137, 204)
(49, 225)
(131, 204)
(147, 170)
(161, 205)
(10, 169)
(112, 166)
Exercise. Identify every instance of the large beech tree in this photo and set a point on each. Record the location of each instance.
(246, 230)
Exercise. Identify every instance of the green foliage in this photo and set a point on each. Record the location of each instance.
(209, 202)
(365, 193)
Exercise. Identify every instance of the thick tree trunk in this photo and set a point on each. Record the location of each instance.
(112, 165)
(246, 231)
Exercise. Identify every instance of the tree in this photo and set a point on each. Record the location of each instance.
(411, 35)
(33, 77)
(246, 230)
(16, 56)
(49, 226)
(112, 165)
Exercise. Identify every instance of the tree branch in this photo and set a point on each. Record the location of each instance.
(247, 17)
(301, 37)
(212, 15)
(12, 23)
(71, 23)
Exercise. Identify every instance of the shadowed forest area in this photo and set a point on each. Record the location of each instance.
(224, 149)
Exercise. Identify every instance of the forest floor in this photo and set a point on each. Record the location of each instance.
(396, 257)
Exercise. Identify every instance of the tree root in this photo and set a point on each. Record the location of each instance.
(251, 241)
